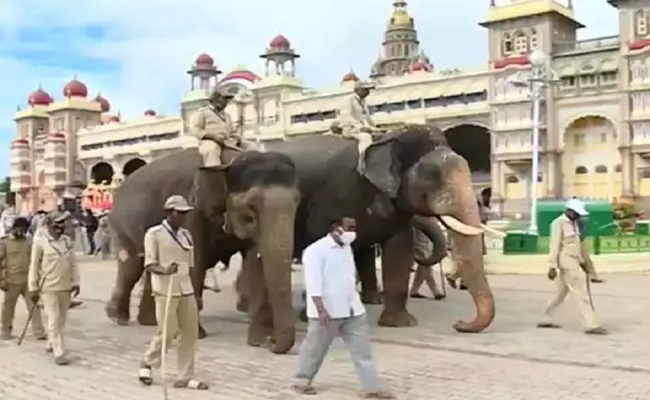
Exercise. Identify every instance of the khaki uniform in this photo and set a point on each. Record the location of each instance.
(353, 116)
(162, 248)
(565, 253)
(212, 129)
(14, 262)
(53, 271)
(589, 264)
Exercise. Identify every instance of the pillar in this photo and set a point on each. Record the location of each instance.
(627, 164)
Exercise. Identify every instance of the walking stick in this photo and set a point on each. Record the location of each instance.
(163, 357)
(443, 281)
(31, 313)
(591, 300)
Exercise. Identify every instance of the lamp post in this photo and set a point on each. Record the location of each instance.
(540, 78)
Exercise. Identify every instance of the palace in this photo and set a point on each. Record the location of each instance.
(595, 128)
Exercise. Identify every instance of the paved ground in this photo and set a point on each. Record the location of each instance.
(513, 360)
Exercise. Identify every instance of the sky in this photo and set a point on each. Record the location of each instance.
(136, 53)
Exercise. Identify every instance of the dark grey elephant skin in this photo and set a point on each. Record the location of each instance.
(408, 177)
(261, 196)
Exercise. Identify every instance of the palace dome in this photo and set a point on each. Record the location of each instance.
(150, 113)
(106, 106)
(39, 98)
(204, 59)
(420, 65)
(350, 77)
(75, 88)
(241, 73)
(280, 42)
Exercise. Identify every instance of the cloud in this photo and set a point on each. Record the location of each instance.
(137, 52)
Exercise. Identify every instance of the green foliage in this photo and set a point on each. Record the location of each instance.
(625, 215)
(5, 186)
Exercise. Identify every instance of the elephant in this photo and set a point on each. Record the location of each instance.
(410, 177)
(257, 191)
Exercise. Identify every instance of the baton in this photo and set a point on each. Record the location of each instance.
(163, 358)
(31, 313)
(591, 300)
(443, 281)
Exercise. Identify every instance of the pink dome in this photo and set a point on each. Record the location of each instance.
(106, 106)
(280, 42)
(75, 88)
(150, 113)
(420, 65)
(39, 98)
(204, 59)
(20, 142)
(57, 136)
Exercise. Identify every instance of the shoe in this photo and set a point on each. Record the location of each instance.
(5, 335)
(61, 360)
(548, 325)
(597, 331)
(41, 336)
(597, 280)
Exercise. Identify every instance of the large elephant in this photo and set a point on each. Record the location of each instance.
(259, 192)
(408, 177)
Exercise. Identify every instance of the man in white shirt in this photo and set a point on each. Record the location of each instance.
(334, 307)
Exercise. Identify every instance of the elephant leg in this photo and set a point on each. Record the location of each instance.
(129, 272)
(240, 289)
(397, 259)
(260, 327)
(366, 267)
(204, 259)
(147, 309)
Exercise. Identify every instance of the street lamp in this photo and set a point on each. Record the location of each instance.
(540, 78)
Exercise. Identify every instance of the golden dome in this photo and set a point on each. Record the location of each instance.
(400, 18)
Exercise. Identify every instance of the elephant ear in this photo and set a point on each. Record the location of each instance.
(380, 166)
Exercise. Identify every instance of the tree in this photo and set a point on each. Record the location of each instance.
(5, 186)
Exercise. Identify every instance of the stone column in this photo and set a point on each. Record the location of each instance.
(627, 164)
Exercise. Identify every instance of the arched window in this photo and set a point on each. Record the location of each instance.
(512, 179)
(581, 170)
(601, 169)
(521, 43)
(618, 168)
(645, 173)
(507, 44)
(640, 23)
(533, 39)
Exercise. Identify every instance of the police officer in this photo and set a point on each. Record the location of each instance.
(567, 265)
(15, 252)
(169, 256)
(54, 277)
(213, 127)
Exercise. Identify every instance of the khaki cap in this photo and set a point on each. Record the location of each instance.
(364, 85)
(177, 203)
(56, 217)
(221, 92)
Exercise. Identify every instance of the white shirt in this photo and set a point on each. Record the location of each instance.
(330, 273)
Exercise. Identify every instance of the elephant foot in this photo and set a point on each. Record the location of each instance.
(398, 319)
(120, 318)
(371, 298)
(242, 306)
(259, 339)
(147, 319)
(202, 333)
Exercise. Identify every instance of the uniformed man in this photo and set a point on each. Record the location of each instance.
(15, 253)
(566, 264)
(212, 126)
(354, 117)
(169, 256)
(54, 277)
(423, 247)
(586, 253)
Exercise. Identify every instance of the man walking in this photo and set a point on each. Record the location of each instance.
(169, 256)
(15, 252)
(423, 247)
(90, 224)
(334, 308)
(54, 277)
(566, 264)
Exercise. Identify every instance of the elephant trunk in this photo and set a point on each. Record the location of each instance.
(467, 245)
(276, 234)
(424, 254)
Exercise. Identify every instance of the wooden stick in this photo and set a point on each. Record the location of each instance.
(163, 357)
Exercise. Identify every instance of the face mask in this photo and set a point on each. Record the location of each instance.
(19, 234)
(348, 237)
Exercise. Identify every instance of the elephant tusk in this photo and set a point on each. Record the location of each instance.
(493, 232)
(460, 227)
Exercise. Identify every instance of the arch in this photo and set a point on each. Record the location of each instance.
(581, 170)
(618, 168)
(571, 121)
(512, 179)
(133, 165)
(600, 169)
(102, 172)
(506, 44)
(473, 142)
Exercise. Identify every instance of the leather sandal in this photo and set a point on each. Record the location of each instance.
(305, 389)
(191, 384)
(144, 375)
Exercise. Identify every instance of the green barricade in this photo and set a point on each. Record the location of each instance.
(520, 243)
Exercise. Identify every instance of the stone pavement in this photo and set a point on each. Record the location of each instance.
(511, 361)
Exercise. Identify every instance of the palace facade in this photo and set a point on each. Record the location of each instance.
(595, 128)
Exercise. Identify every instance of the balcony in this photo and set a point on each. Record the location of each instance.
(587, 46)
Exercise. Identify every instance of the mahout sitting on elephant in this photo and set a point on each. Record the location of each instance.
(259, 195)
